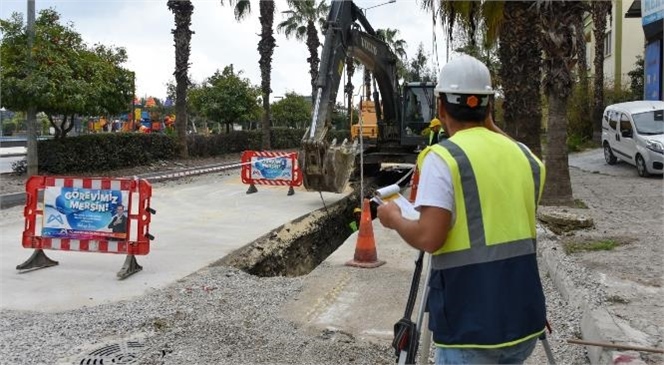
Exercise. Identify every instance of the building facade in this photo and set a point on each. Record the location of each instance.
(652, 20)
(624, 41)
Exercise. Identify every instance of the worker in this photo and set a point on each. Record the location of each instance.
(435, 131)
(477, 198)
(357, 216)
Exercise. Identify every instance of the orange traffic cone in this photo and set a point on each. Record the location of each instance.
(365, 248)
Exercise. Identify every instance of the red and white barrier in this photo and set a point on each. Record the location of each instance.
(270, 168)
(81, 211)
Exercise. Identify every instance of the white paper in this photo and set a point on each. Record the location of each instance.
(392, 193)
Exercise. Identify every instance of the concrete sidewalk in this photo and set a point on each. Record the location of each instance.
(363, 302)
(196, 224)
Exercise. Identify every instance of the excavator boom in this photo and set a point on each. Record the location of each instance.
(328, 166)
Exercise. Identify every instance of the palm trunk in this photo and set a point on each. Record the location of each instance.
(266, 49)
(182, 36)
(600, 9)
(559, 43)
(558, 187)
(313, 43)
(350, 70)
(520, 72)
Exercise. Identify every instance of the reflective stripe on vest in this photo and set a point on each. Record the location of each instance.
(536, 171)
(479, 251)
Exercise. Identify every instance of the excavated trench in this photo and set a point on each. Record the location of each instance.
(298, 247)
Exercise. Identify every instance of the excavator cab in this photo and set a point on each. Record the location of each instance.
(419, 107)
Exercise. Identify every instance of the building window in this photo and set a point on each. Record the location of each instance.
(607, 43)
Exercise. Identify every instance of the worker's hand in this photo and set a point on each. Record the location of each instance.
(389, 214)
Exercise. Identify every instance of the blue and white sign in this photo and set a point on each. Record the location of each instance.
(651, 11)
(653, 64)
(271, 168)
(78, 213)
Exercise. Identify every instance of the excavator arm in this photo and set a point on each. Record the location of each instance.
(325, 166)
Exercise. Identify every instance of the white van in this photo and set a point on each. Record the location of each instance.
(634, 132)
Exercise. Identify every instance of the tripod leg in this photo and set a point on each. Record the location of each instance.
(425, 336)
(547, 349)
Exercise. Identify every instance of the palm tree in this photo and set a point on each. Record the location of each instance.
(520, 73)
(582, 72)
(351, 65)
(559, 45)
(182, 10)
(397, 45)
(599, 11)
(301, 23)
(511, 24)
(266, 46)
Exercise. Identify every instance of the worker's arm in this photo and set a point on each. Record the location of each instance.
(426, 234)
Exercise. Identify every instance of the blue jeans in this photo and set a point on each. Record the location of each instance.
(516, 354)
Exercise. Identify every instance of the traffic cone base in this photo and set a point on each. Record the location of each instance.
(365, 265)
(365, 248)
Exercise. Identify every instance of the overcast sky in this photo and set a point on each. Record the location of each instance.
(144, 29)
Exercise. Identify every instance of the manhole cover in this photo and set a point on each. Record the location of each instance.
(122, 353)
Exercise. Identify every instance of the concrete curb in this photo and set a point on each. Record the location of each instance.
(597, 323)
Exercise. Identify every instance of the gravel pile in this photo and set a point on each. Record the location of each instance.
(217, 316)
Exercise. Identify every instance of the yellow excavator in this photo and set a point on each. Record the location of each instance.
(369, 123)
(403, 112)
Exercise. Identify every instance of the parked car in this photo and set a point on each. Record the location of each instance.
(634, 132)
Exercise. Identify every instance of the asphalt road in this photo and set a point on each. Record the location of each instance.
(593, 161)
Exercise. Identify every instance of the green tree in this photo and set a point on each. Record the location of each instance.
(340, 117)
(68, 77)
(226, 98)
(266, 46)
(182, 10)
(418, 67)
(636, 77)
(293, 111)
(301, 23)
(112, 89)
(559, 45)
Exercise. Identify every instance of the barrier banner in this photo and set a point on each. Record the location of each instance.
(80, 213)
(103, 215)
(270, 168)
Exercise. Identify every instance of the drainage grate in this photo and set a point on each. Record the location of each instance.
(123, 353)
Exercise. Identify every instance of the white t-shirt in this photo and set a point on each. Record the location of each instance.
(435, 188)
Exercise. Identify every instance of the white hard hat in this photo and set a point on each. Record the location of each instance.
(464, 75)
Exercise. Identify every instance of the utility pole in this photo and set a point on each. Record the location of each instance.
(31, 122)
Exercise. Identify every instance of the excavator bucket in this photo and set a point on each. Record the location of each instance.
(327, 168)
